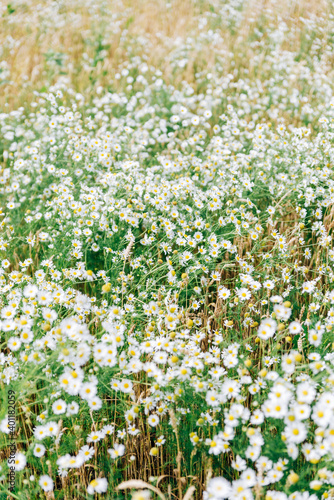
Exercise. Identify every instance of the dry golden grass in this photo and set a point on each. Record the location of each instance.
(33, 30)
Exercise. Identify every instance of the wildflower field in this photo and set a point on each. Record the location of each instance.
(166, 249)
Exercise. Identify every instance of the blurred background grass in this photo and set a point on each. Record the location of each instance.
(86, 42)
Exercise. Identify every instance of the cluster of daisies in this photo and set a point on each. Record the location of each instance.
(166, 280)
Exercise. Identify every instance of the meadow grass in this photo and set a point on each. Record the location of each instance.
(167, 261)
